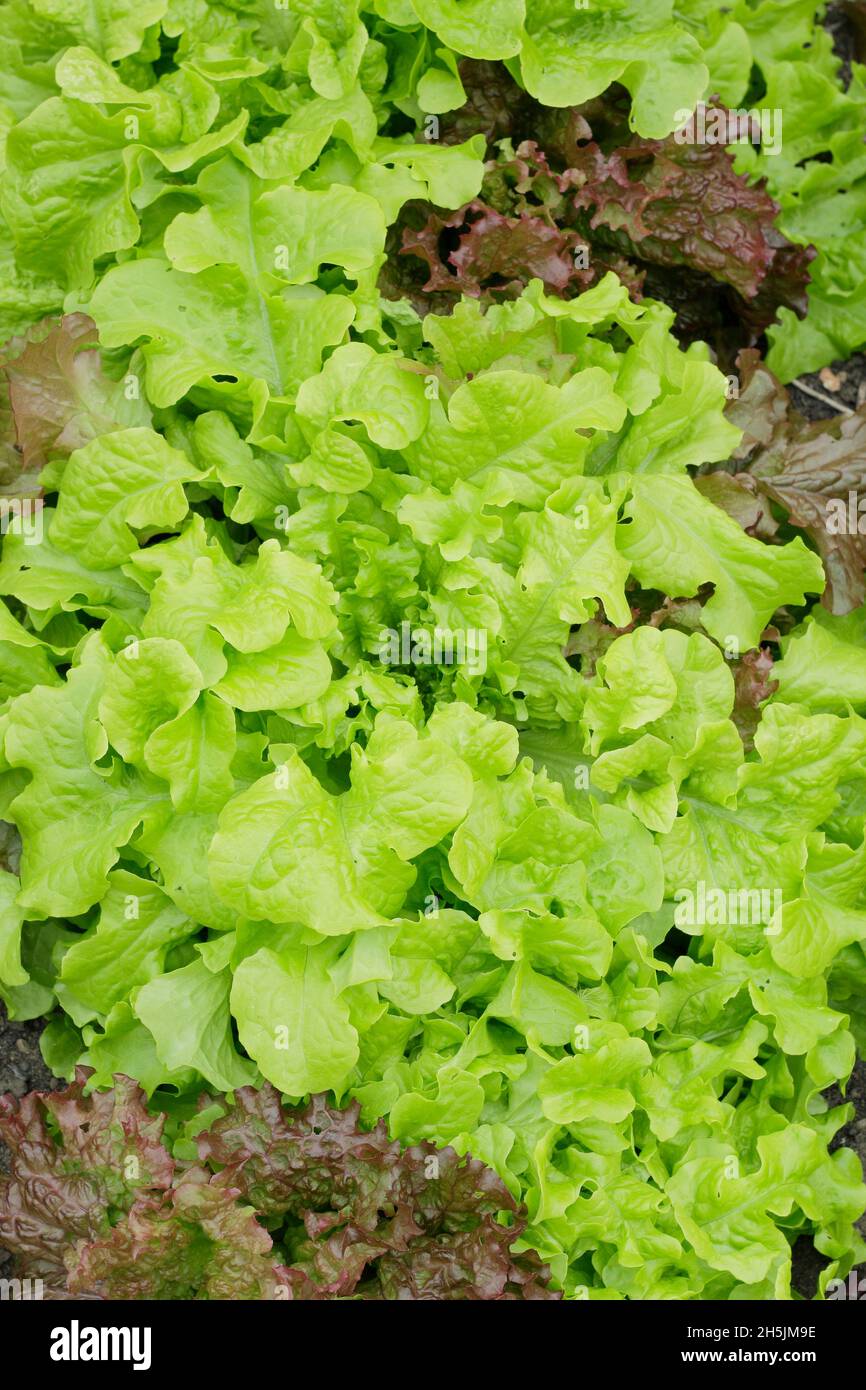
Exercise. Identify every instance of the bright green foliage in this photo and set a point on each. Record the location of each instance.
(775, 56)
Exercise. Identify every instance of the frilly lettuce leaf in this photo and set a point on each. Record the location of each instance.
(142, 1221)
(565, 56)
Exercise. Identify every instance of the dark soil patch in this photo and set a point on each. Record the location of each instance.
(838, 21)
(21, 1066)
(851, 392)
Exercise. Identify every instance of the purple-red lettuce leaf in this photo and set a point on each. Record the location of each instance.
(809, 470)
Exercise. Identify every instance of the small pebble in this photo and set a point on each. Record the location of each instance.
(833, 381)
(14, 1079)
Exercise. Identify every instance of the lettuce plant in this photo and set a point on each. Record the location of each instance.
(570, 194)
(446, 886)
(141, 102)
(280, 1205)
(772, 56)
(392, 703)
(812, 474)
(779, 58)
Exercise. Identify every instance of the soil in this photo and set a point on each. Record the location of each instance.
(842, 384)
(844, 36)
(21, 1066)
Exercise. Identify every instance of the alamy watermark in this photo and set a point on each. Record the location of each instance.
(714, 125)
(439, 646)
(77, 1343)
(22, 516)
(727, 907)
(846, 516)
(21, 1290)
(853, 1288)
